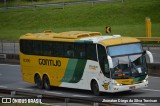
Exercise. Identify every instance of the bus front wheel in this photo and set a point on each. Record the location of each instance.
(46, 82)
(95, 88)
(38, 81)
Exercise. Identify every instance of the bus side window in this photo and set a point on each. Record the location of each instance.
(58, 49)
(22, 46)
(46, 48)
(91, 52)
(26, 46)
(37, 48)
(102, 56)
(69, 50)
(80, 51)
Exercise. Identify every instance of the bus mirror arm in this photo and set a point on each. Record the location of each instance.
(110, 62)
(144, 52)
(150, 56)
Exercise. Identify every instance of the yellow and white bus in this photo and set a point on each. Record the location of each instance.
(83, 60)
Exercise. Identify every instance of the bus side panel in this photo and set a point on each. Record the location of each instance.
(53, 67)
(90, 71)
(74, 71)
(93, 72)
(64, 72)
(26, 68)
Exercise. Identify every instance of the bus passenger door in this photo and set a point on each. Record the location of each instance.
(104, 65)
(103, 62)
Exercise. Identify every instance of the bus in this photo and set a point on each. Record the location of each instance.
(84, 60)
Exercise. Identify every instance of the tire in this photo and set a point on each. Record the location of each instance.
(46, 83)
(38, 81)
(95, 88)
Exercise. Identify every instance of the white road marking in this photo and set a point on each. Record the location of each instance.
(26, 89)
(53, 92)
(151, 90)
(80, 96)
(138, 103)
(57, 105)
(154, 77)
(9, 65)
(3, 87)
(46, 104)
(155, 53)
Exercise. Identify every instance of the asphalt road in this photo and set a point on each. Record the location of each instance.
(10, 77)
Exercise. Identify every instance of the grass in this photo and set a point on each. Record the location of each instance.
(127, 19)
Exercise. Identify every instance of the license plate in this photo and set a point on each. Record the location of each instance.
(132, 87)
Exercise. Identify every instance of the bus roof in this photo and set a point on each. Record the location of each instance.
(80, 36)
(62, 36)
(111, 40)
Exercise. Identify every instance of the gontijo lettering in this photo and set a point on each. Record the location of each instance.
(50, 62)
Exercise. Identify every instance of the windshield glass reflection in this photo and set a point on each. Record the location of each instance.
(129, 66)
(126, 49)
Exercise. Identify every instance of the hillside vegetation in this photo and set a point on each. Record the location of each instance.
(127, 19)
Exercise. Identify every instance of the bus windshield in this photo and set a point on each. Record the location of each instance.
(129, 66)
(126, 49)
(128, 61)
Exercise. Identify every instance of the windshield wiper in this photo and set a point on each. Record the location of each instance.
(132, 66)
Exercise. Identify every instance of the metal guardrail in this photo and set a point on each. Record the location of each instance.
(2, 56)
(146, 39)
(9, 47)
(25, 93)
(59, 4)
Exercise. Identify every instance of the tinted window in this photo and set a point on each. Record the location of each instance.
(47, 48)
(26, 46)
(37, 48)
(58, 49)
(80, 51)
(69, 50)
(91, 52)
(102, 56)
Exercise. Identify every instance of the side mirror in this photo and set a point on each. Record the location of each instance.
(110, 62)
(150, 56)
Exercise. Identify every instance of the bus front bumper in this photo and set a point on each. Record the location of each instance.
(121, 88)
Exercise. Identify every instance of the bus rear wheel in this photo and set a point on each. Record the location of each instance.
(38, 81)
(46, 82)
(95, 88)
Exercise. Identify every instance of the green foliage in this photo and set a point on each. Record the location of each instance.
(127, 19)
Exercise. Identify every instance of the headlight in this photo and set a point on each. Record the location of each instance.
(144, 81)
(117, 84)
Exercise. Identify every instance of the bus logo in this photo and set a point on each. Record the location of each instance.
(49, 62)
(92, 67)
(6, 100)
